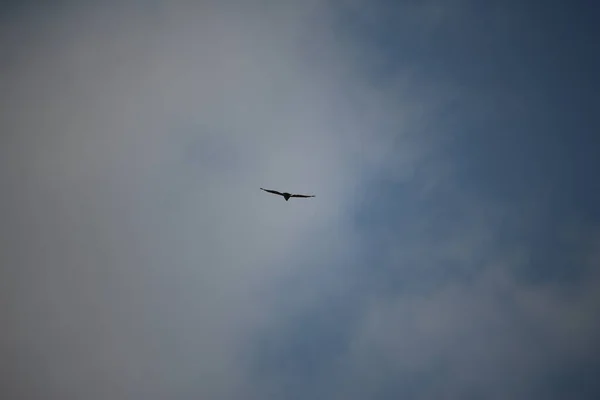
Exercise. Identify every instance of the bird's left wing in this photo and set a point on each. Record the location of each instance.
(272, 191)
(302, 195)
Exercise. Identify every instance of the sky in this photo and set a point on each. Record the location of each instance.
(452, 250)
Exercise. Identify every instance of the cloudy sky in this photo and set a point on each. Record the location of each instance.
(452, 250)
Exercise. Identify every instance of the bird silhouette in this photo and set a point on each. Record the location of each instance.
(286, 195)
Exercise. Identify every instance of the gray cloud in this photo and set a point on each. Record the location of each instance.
(140, 260)
(490, 336)
(136, 243)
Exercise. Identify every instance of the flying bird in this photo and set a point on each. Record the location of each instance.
(286, 195)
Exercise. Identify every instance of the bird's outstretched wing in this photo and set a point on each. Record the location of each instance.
(272, 191)
(302, 195)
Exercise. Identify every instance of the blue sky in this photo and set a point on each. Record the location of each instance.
(451, 251)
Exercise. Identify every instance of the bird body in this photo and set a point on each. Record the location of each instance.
(286, 195)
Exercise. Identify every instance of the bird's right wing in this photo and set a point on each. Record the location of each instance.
(302, 195)
(272, 191)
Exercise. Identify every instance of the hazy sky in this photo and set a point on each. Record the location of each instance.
(452, 250)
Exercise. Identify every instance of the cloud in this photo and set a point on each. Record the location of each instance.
(491, 336)
(140, 259)
(136, 243)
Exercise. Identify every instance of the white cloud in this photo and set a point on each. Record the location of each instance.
(136, 244)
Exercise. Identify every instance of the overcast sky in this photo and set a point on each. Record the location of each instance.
(452, 250)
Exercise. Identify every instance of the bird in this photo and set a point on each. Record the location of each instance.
(286, 195)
